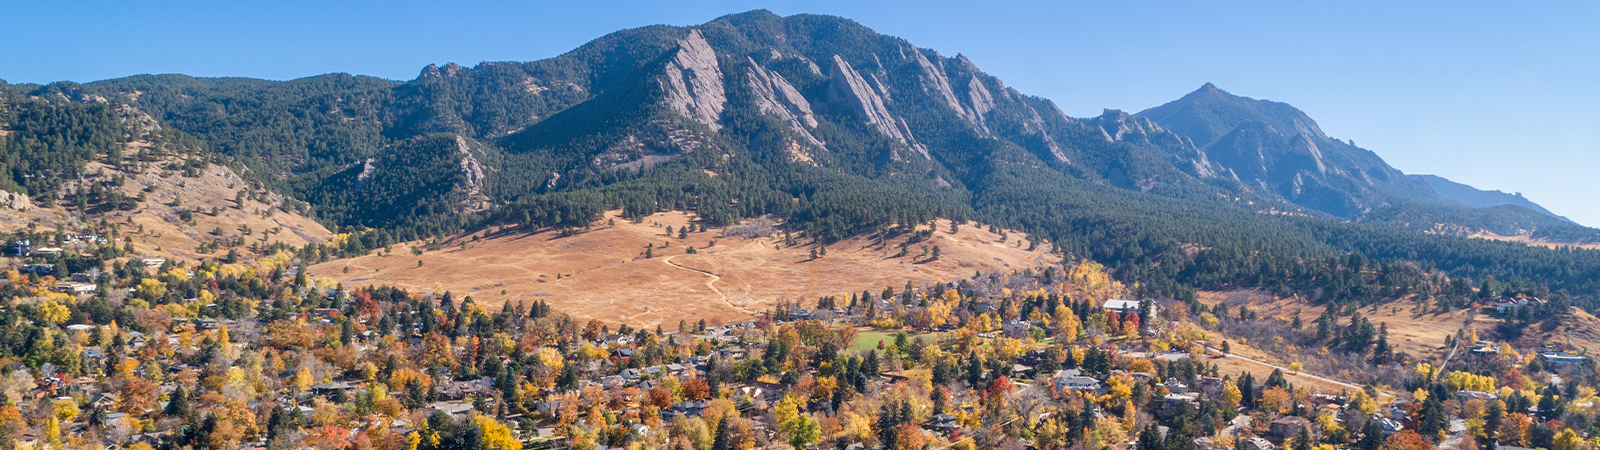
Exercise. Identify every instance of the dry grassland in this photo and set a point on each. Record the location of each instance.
(164, 235)
(602, 273)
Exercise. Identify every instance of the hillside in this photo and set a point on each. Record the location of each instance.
(1504, 220)
(1424, 333)
(602, 273)
(1478, 198)
(156, 224)
(137, 180)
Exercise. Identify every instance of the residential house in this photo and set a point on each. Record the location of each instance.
(1390, 426)
(1175, 386)
(39, 269)
(1289, 426)
(457, 390)
(451, 408)
(1174, 399)
(686, 409)
(1126, 306)
(1507, 305)
(1557, 359)
(76, 288)
(942, 423)
(337, 387)
(1256, 443)
(1484, 347)
(1064, 381)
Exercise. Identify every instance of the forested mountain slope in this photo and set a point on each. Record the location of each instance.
(840, 131)
(82, 164)
(1478, 198)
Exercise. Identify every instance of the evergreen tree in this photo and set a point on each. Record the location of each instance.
(1371, 437)
(178, 404)
(1433, 420)
(974, 370)
(722, 441)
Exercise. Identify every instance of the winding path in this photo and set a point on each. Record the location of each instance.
(709, 283)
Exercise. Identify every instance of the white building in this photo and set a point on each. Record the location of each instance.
(1126, 306)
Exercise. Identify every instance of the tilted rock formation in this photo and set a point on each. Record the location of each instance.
(774, 95)
(473, 199)
(848, 88)
(1118, 126)
(694, 82)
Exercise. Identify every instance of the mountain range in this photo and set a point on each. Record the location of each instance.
(1478, 198)
(834, 127)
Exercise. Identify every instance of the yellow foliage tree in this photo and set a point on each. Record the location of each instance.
(66, 409)
(496, 436)
(1459, 380)
(1567, 440)
(1364, 403)
(786, 410)
(50, 311)
(1231, 396)
(302, 380)
(153, 287)
(1067, 324)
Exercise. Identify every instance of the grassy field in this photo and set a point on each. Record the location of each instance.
(1420, 334)
(602, 274)
(868, 339)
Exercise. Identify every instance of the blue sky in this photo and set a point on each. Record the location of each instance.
(1499, 95)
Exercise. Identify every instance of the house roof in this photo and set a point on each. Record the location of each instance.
(1122, 304)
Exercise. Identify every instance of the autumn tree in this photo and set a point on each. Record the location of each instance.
(496, 436)
(802, 431)
(1407, 440)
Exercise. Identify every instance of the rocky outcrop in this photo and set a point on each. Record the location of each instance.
(774, 95)
(433, 72)
(1118, 126)
(851, 91)
(659, 140)
(693, 82)
(982, 101)
(471, 191)
(936, 83)
(15, 200)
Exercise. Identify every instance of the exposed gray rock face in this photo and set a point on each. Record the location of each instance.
(659, 140)
(774, 95)
(1034, 124)
(1118, 126)
(850, 90)
(367, 169)
(935, 82)
(136, 119)
(472, 198)
(16, 201)
(693, 82)
(982, 102)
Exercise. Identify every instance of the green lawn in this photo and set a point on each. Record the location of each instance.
(868, 339)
